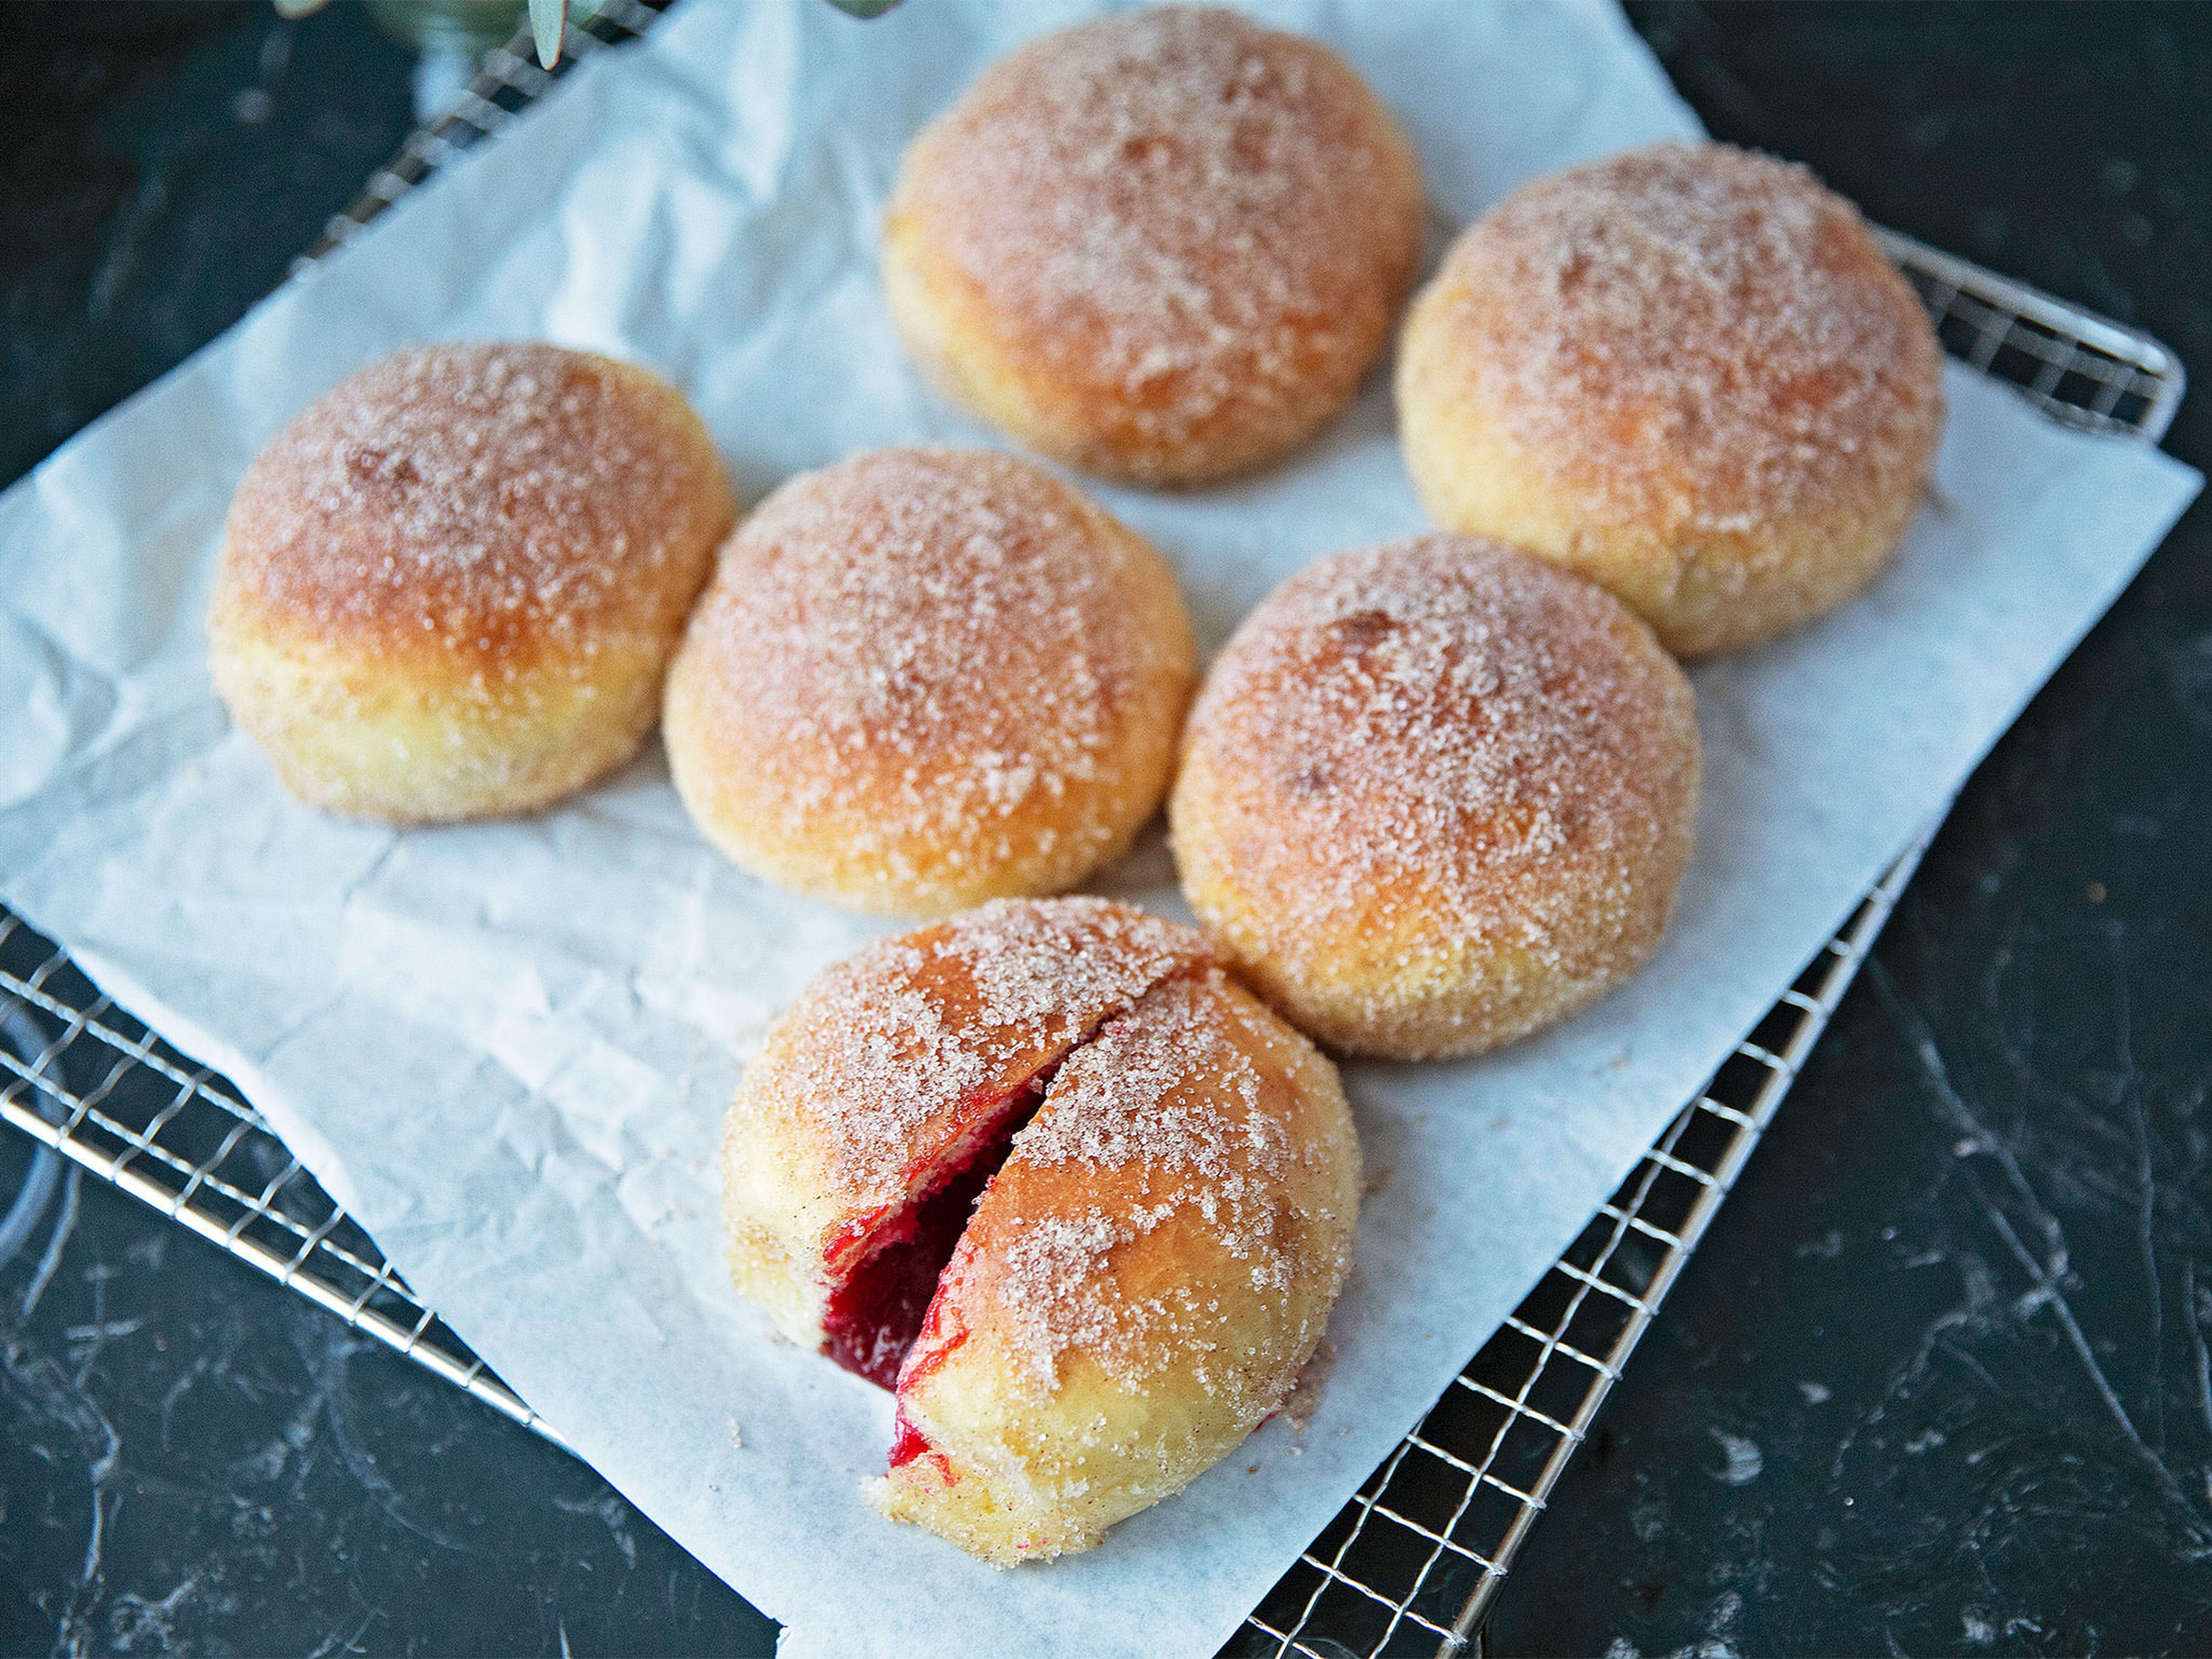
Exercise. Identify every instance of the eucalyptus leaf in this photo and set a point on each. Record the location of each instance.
(864, 9)
(546, 17)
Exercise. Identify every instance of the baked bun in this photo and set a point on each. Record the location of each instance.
(1140, 1284)
(1161, 247)
(897, 1070)
(451, 586)
(925, 677)
(1687, 372)
(1436, 796)
(1169, 1181)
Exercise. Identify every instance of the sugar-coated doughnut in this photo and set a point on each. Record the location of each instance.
(1141, 1283)
(1085, 1201)
(925, 677)
(1687, 372)
(1436, 796)
(890, 1077)
(450, 589)
(1160, 248)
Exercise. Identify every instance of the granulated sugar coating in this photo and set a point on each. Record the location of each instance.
(1162, 245)
(1141, 1283)
(1688, 373)
(1190, 1094)
(1437, 794)
(1695, 334)
(1144, 1274)
(924, 678)
(500, 503)
(451, 588)
(895, 1059)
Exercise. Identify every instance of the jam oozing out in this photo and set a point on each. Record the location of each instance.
(910, 1445)
(874, 1317)
(908, 1442)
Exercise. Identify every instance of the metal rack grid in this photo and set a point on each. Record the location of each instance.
(508, 81)
(1413, 1563)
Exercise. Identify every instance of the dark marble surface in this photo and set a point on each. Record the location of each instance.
(1938, 1380)
(1955, 1316)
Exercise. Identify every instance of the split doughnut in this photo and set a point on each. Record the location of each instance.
(1048, 1171)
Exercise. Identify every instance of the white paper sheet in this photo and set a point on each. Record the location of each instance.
(506, 1047)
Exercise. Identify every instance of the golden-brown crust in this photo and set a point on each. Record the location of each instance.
(449, 586)
(1160, 248)
(1146, 1272)
(1140, 1284)
(478, 506)
(926, 677)
(893, 1061)
(1687, 372)
(1436, 796)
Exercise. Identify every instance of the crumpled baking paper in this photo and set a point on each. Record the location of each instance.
(504, 1048)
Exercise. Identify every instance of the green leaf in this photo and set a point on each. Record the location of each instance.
(864, 9)
(546, 17)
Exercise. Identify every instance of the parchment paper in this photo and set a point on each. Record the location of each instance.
(506, 1047)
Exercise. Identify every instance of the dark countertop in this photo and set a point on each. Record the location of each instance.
(1938, 1379)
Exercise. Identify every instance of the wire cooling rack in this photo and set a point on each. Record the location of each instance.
(1412, 1564)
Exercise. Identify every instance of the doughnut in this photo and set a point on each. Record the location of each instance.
(926, 677)
(450, 589)
(1161, 247)
(1436, 796)
(1139, 1285)
(1689, 374)
(1048, 1173)
(895, 1071)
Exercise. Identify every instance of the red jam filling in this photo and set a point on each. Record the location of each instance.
(910, 1445)
(908, 1442)
(874, 1317)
